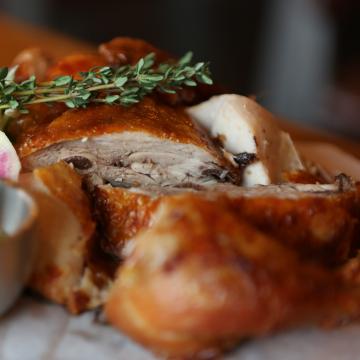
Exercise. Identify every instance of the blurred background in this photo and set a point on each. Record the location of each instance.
(300, 58)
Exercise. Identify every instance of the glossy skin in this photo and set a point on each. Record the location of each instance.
(31, 61)
(190, 290)
(69, 269)
(73, 64)
(126, 50)
(319, 228)
(148, 116)
(64, 223)
(121, 215)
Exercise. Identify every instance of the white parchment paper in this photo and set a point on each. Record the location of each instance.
(35, 330)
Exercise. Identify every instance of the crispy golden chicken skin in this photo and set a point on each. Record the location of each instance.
(32, 61)
(121, 214)
(320, 228)
(148, 116)
(69, 267)
(127, 50)
(204, 263)
(321, 225)
(200, 280)
(73, 64)
(119, 51)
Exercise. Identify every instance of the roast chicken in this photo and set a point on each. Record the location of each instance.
(196, 227)
(70, 266)
(318, 221)
(201, 279)
(148, 143)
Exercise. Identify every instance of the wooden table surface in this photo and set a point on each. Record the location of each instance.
(16, 36)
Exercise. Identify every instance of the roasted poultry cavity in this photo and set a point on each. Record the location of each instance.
(148, 217)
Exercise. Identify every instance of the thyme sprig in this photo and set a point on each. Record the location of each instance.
(125, 85)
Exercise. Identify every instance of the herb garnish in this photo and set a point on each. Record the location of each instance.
(125, 85)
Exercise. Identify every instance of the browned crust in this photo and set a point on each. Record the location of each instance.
(121, 215)
(190, 288)
(55, 277)
(73, 64)
(148, 116)
(127, 50)
(66, 185)
(319, 228)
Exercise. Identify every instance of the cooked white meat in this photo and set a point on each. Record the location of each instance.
(250, 134)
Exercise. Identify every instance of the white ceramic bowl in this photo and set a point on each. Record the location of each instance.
(17, 251)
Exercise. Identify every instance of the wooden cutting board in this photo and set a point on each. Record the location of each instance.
(16, 36)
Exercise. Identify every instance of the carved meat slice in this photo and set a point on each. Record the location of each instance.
(66, 270)
(201, 279)
(146, 144)
(318, 221)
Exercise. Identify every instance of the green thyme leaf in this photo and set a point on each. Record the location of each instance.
(8, 90)
(149, 61)
(139, 65)
(121, 81)
(62, 80)
(111, 98)
(13, 104)
(3, 73)
(70, 103)
(186, 58)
